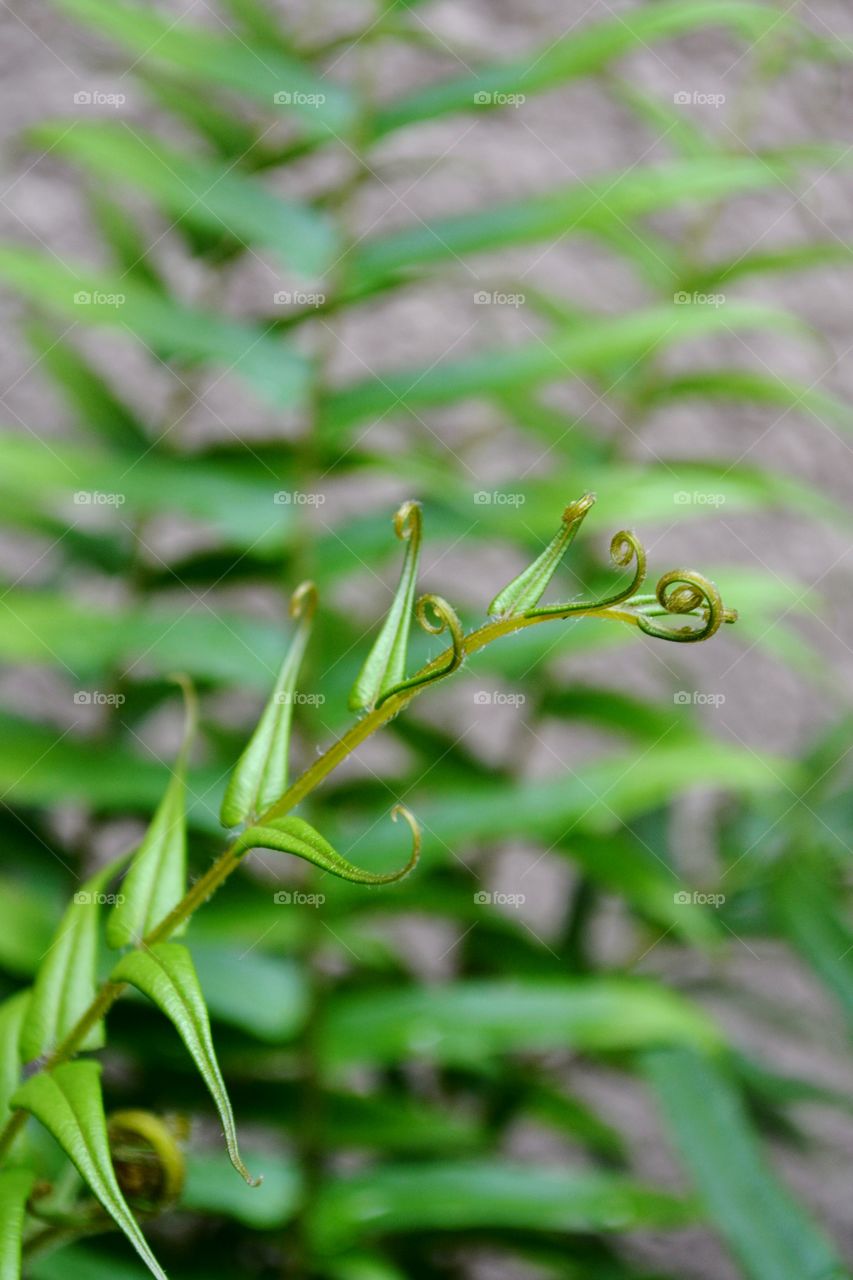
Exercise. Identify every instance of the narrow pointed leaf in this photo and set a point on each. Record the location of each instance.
(166, 974)
(525, 591)
(578, 53)
(196, 192)
(386, 663)
(212, 57)
(15, 1187)
(294, 835)
(156, 881)
(170, 328)
(260, 775)
(772, 1238)
(12, 1014)
(68, 1102)
(806, 901)
(67, 978)
(595, 348)
(87, 392)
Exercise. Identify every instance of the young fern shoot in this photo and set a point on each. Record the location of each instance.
(46, 1028)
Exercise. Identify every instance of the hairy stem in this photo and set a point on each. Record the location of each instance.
(229, 859)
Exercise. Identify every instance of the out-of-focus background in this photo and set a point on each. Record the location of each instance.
(272, 269)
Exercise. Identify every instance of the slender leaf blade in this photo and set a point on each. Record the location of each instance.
(166, 974)
(295, 836)
(497, 1194)
(576, 54)
(565, 355)
(385, 665)
(12, 1014)
(260, 775)
(255, 69)
(68, 1102)
(156, 880)
(66, 981)
(274, 370)
(15, 1187)
(770, 1235)
(198, 192)
(470, 1020)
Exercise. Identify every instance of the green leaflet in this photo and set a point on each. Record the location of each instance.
(166, 974)
(15, 1187)
(167, 326)
(156, 880)
(212, 58)
(579, 53)
(129, 249)
(91, 398)
(294, 835)
(764, 1227)
(602, 205)
(67, 978)
(472, 1020)
(197, 192)
(68, 1102)
(806, 901)
(12, 1014)
(385, 665)
(525, 591)
(595, 347)
(488, 1194)
(260, 775)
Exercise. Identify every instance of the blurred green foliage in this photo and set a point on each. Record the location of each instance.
(383, 1106)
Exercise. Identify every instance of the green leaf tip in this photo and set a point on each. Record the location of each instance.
(66, 981)
(385, 665)
(259, 777)
(156, 880)
(295, 836)
(68, 1102)
(525, 591)
(166, 974)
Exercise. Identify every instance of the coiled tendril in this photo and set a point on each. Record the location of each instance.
(625, 546)
(434, 615)
(684, 592)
